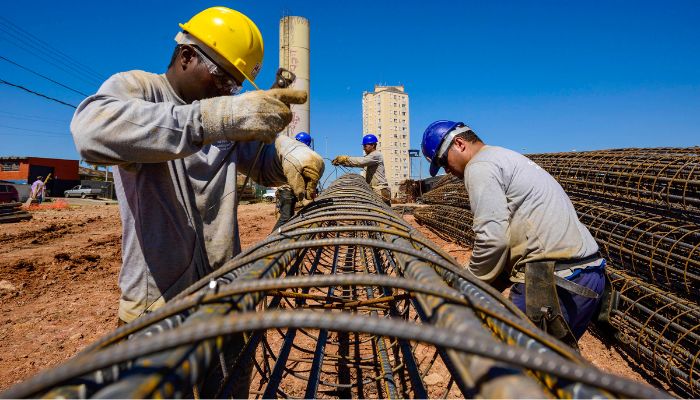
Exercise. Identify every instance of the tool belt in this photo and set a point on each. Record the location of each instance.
(541, 299)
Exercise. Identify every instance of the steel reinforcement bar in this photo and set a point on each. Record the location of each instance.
(662, 250)
(449, 191)
(659, 330)
(345, 300)
(450, 223)
(664, 178)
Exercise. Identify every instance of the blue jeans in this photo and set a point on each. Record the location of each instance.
(577, 310)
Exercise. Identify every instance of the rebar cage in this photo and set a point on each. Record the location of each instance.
(345, 300)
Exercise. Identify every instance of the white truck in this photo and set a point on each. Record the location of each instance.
(83, 192)
(270, 195)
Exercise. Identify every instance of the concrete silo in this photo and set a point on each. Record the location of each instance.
(294, 56)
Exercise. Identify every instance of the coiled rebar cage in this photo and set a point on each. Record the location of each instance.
(661, 178)
(659, 329)
(345, 300)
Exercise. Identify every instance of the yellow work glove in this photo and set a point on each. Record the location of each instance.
(302, 166)
(340, 160)
(251, 116)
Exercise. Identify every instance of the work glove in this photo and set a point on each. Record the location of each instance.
(340, 160)
(302, 166)
(252, 116)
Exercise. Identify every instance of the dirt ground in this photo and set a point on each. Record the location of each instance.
(58, 282)
(58, 285)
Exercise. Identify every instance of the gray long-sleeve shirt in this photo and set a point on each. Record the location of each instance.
(374, 169)
(176, 196)
(521, 214)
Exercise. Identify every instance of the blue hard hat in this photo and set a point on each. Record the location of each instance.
(304, 138)
(432, 140)
(369, 139)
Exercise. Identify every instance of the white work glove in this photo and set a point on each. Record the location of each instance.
(302, 166)
(252, 116)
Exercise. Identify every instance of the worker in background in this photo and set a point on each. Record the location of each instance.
(38, 189)
(373, 162)
(178, 140)
(526, 230)
(286, 200)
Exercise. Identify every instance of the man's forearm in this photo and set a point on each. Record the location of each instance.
(360, 161)
(489, 257)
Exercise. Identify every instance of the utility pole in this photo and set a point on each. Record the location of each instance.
(111, 185)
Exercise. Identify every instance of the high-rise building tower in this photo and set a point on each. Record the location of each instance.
(385, 114)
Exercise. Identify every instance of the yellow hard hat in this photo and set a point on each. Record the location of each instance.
(231, 35)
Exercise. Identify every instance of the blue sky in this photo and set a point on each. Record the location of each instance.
(533, 76)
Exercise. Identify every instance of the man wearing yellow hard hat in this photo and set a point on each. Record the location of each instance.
(178, 139)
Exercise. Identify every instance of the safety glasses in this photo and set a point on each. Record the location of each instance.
(442, 160)
(222, 79)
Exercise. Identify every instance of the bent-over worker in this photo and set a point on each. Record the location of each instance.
(526, 230)
(286, 200)
(38, 189)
